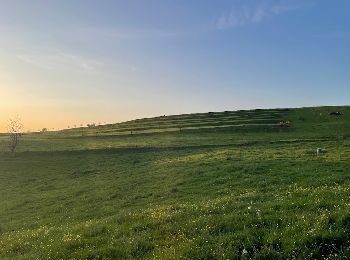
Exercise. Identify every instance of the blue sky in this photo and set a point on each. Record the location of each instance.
(75, 62)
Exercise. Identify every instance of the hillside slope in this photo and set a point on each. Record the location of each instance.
(199, 186)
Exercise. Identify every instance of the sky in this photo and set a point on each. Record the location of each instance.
(66, 63)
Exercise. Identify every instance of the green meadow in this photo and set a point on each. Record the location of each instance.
(219, 185)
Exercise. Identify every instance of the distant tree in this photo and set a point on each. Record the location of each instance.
(14, 129)
(44, 130)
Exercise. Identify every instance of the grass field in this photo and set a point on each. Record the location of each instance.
(221, 185)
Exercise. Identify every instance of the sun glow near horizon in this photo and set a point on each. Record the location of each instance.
(117, 61)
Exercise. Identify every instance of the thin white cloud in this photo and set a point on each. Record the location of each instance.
(53, 60)
(255, 13)
(126, 34)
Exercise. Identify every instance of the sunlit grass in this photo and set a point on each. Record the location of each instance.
(194, 195)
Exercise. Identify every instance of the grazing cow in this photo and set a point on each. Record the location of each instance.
(284, 123)
(319, 151)
(335, 113)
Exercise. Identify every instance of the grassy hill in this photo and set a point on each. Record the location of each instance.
(218, 185)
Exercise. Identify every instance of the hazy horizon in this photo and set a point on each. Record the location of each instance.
(65, 63)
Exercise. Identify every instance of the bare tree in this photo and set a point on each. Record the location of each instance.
(15, 129)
